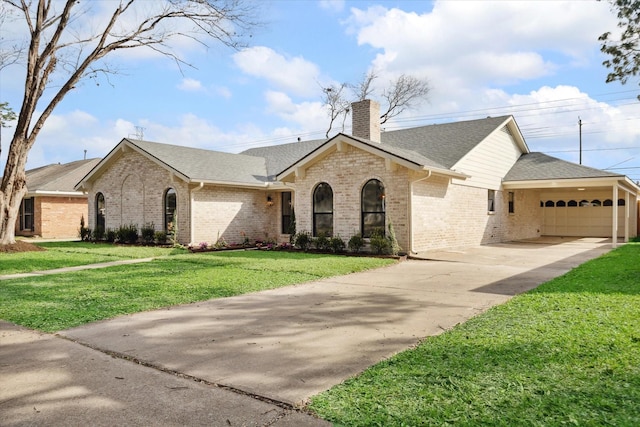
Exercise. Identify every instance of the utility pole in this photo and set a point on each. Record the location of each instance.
(580, 132)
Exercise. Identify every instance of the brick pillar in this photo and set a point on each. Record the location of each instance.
(365, 116)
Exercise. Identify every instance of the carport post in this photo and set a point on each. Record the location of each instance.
(627, 224)
(614, 227)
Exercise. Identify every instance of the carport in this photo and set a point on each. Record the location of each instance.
(576, 200)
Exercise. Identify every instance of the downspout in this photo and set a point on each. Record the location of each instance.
(614, 222)
(191, 214)
(412, 250)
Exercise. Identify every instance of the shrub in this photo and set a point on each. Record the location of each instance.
(379, 243)
(220, 243)
(84, 232)
(98, 234)
(322, 242)
(148, 232)
(292, 226)
(160, 237)
(337, 244)
(356, 242)
(127, 234)
(303, 240)
(394, 247)
(110, 235)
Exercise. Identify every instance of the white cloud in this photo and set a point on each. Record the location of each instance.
(295, 75)
(332, 5)
(473, 42)
(190, 85)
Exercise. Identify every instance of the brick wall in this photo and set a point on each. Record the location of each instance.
(60, 216)
(56, 217)
(454, 216)
(347, 172)
(133, 189)
(232, 213)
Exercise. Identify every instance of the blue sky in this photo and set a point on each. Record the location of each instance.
(538, 60)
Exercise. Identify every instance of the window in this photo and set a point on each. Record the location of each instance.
(560, 204)
(607, 202)
(491, 198)
(372, 208)
(596, 203)
(572, 204)
(511, 202)
(323, 209)
(620, 202)
(549, 204)
(26, 215)
(287, 209)
(100, 212)
(169, 210)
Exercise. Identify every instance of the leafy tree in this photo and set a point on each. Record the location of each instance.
(624, 53)
(61, 52)
(402, 93)
(6, 115)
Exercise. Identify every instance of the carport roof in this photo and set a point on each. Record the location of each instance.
(539, 166)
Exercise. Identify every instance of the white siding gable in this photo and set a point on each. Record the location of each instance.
(489, 161)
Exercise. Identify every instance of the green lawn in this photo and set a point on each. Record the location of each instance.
(566, 353)
(70, 254)
(55, 302)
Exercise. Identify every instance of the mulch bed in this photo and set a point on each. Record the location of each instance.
(20, 246)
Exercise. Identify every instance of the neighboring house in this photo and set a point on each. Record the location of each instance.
(441, 186)
(52, 208)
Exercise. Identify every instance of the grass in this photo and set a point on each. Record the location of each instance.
(55, 302)
(566, 353)
(70, 254)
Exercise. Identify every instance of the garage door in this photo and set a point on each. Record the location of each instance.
(579, 218)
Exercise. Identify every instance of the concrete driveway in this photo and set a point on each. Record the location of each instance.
(288, 344)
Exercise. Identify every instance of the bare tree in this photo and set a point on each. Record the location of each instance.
(363, 89)
(58, 50)
(402, 93)
(336, 104)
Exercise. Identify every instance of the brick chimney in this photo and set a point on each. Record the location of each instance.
(365, 120)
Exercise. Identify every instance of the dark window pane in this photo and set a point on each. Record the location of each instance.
(100, 211)
(323, 223)
(323, 199)
(170, 204)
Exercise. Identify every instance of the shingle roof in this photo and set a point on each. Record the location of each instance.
(58, 177)
(207, 165)
(280, 157)
(446, 143)
(538, 166)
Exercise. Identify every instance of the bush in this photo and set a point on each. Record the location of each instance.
(356, 242)
(160, 237)
(337, 244)
(110, 235)
(148, 232)
(84, 232)
(127, 234)
(394, 247)
(379, 243)
(303, 240)
(98, 234)
(322, 242)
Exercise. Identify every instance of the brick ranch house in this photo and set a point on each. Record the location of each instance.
(52, 207)
(441, 186)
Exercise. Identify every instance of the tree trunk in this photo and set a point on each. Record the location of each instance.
(12, 189)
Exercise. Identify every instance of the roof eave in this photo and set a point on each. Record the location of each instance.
(602, 181)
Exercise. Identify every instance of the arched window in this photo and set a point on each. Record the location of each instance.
(584, 203)
(100, 212)
(170, 205)
(607, 202)
(596, 203)
(323, 210)
(572, 204)
(372, 208)
(549, 204)
(560, 204)
(620, 202)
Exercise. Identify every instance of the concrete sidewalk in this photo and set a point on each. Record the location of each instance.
(283, 345)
